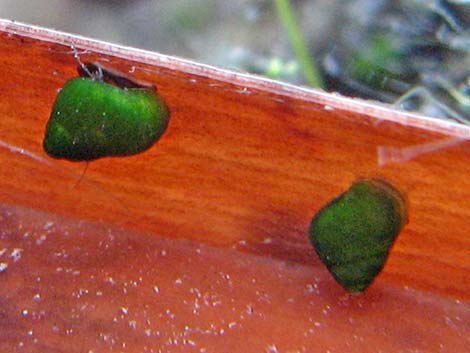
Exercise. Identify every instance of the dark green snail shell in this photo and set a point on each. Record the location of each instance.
(92, 119)
(354, 232)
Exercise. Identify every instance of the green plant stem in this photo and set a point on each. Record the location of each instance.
(288, 19)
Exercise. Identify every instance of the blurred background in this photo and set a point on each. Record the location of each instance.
(411, 53)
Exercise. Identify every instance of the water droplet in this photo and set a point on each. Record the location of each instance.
(41, 239)
(271, 349)
(48, 225)
(16, 254)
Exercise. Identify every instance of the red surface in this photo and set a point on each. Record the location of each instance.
(243, 167)
(78, 287)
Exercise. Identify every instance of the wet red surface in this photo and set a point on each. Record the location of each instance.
(74, 286)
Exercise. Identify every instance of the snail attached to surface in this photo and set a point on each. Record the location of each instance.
(355, 231)
(104, 113)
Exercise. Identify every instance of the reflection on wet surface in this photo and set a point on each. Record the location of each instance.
(73, 286)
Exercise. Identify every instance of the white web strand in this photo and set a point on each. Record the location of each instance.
(33, 156)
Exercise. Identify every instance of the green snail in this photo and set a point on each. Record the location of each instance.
(104, 113)
(355, 231)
